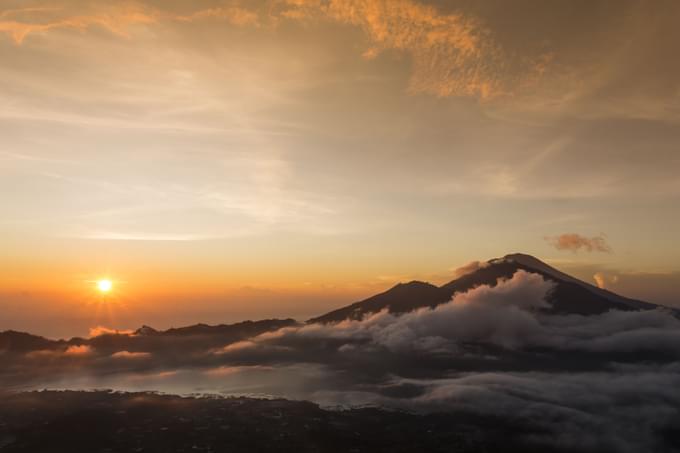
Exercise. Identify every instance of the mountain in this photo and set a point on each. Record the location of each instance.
(146, 331)
(400, 299)
(240, 329)
(569, 296)
(148, 339)
(13, 341)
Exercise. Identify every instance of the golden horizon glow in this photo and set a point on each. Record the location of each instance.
(282, 158)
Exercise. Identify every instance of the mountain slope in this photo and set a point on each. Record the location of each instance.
(569, 296)
(399, 299)
(147, 339)
(13, 341)
(240, 329)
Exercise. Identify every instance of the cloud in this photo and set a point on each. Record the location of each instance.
(508, 315)
(101, 330)
(130, 355)
(599, 280)
(488, 327)
(230, 370)
(78, 350)
(41, 353)
(533, 62)
(237, 346)
(602, 383)
(453, 54)
(465, 318)
(630, 408)
(469, 268)
(603, 281)
(619, 63)
(233, 15)
(116, 18)
(575, 242)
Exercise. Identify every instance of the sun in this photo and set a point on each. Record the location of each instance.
(104, 285)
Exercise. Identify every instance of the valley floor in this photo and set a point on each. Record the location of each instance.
(102, 421)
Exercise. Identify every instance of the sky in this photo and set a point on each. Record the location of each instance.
(227, 160)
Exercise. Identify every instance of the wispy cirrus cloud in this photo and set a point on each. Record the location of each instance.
(233, 14)
(453, 54)
(19, 23)
(116, 18)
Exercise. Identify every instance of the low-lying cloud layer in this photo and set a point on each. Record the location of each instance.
(583, 380)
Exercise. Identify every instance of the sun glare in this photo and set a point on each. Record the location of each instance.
(104, 286)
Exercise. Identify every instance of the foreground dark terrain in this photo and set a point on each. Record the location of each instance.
(52, 421)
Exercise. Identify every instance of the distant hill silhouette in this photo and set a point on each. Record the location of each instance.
(147, 338)
(245, 328)
(14, 341)
(570, 295)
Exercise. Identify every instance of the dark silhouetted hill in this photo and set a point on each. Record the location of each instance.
(569, 296)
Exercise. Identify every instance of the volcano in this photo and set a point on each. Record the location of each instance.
(569, 295)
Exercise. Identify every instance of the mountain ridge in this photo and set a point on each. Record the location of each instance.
(570, 295)
(145, 336)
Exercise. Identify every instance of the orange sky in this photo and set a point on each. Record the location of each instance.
(223, 160)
